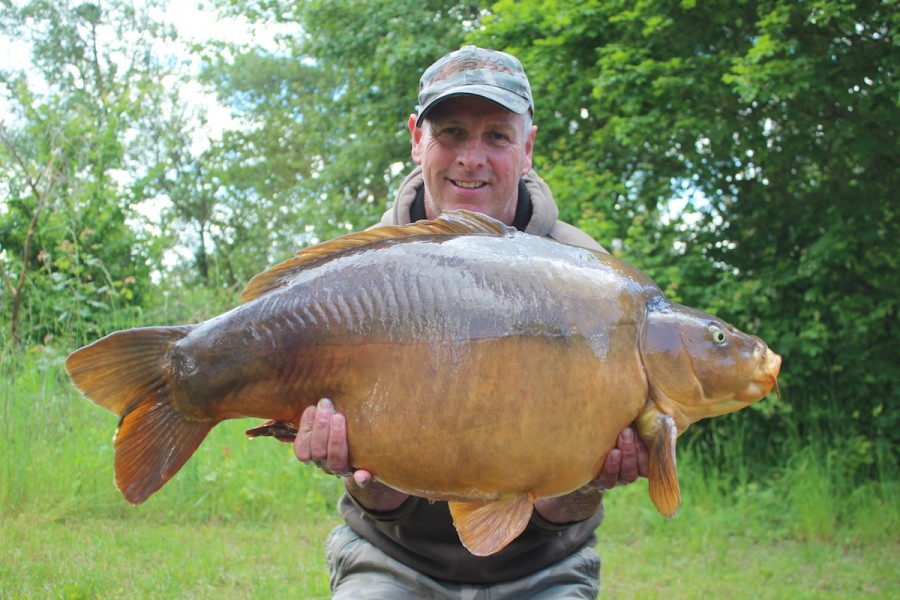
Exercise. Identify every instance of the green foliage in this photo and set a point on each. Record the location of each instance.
(742, 154)
(69, 248)
(62, 466)
(327, 109)
(243, 518)
(777, 122)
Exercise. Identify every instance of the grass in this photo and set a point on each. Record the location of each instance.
(129, 558)
(243, 519)
(709, 551)
(695, 555)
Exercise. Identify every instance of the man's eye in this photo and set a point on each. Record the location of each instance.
(498, 137)
(451, 135)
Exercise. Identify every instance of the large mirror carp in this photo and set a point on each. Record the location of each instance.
(474, 364)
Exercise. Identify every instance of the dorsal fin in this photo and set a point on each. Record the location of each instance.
(449, 223)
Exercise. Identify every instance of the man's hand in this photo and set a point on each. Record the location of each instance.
(624, 464)
(322, 440)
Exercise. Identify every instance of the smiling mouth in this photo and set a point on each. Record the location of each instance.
(469, 185)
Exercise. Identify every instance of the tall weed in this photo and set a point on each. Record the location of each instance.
(805, 488)
(57, 459)
(57, 455)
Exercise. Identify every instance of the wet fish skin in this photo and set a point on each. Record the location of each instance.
(489, 352)
(474, 364)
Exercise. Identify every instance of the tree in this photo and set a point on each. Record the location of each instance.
(326, 139)
(40, 187)
(70, 157)
(742, 154)
(778, 120)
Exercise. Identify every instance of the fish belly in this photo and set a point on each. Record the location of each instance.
(489, 418)
(466, 369)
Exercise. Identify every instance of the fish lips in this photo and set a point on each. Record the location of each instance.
(764, 379)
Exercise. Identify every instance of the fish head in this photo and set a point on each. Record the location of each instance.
(699, 366)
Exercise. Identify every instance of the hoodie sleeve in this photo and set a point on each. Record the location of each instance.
(545, 216)
(398, 213)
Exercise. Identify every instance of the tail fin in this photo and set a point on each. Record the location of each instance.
(123, 373)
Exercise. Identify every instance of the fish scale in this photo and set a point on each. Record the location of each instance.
(474, 364)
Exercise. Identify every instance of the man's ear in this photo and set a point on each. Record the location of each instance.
(529, 148)
(416, 133)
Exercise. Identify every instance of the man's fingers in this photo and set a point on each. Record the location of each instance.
(304, 432)
(628, 469)
(318, 440)
(362, 478)
(609, 474)
(322, 439)
(643, 458)
(338, 456)
(624, 463)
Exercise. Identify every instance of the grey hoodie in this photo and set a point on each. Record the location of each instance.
(544, 217)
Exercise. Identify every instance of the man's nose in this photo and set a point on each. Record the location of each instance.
(472, 153)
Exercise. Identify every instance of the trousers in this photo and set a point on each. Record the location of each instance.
(360, 571)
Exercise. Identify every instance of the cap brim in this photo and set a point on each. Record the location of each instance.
(504, 98)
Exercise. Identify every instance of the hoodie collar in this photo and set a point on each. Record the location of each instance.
(536, 212)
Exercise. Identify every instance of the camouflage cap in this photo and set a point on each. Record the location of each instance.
(474, 71)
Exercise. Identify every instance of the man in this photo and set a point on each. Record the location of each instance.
(472, 139)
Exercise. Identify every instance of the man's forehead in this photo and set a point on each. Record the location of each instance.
(473, 107)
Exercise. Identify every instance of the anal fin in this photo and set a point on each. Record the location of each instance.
(283, 431)
(485, 528)
(659, 432)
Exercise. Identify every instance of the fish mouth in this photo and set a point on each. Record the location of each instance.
(766, 376)
(773, 362)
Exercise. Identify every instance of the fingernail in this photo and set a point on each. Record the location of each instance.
(627, 436)
(324, 412)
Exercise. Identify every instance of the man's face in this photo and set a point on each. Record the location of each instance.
(473, 153)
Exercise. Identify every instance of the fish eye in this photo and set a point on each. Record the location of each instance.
(718, 335)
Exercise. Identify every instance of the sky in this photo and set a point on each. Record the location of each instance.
(196, 24)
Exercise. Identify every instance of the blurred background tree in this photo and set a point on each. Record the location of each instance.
(777, 123)
(75, 145)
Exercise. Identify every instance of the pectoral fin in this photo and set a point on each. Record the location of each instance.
(659, 433)
(485, 528)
